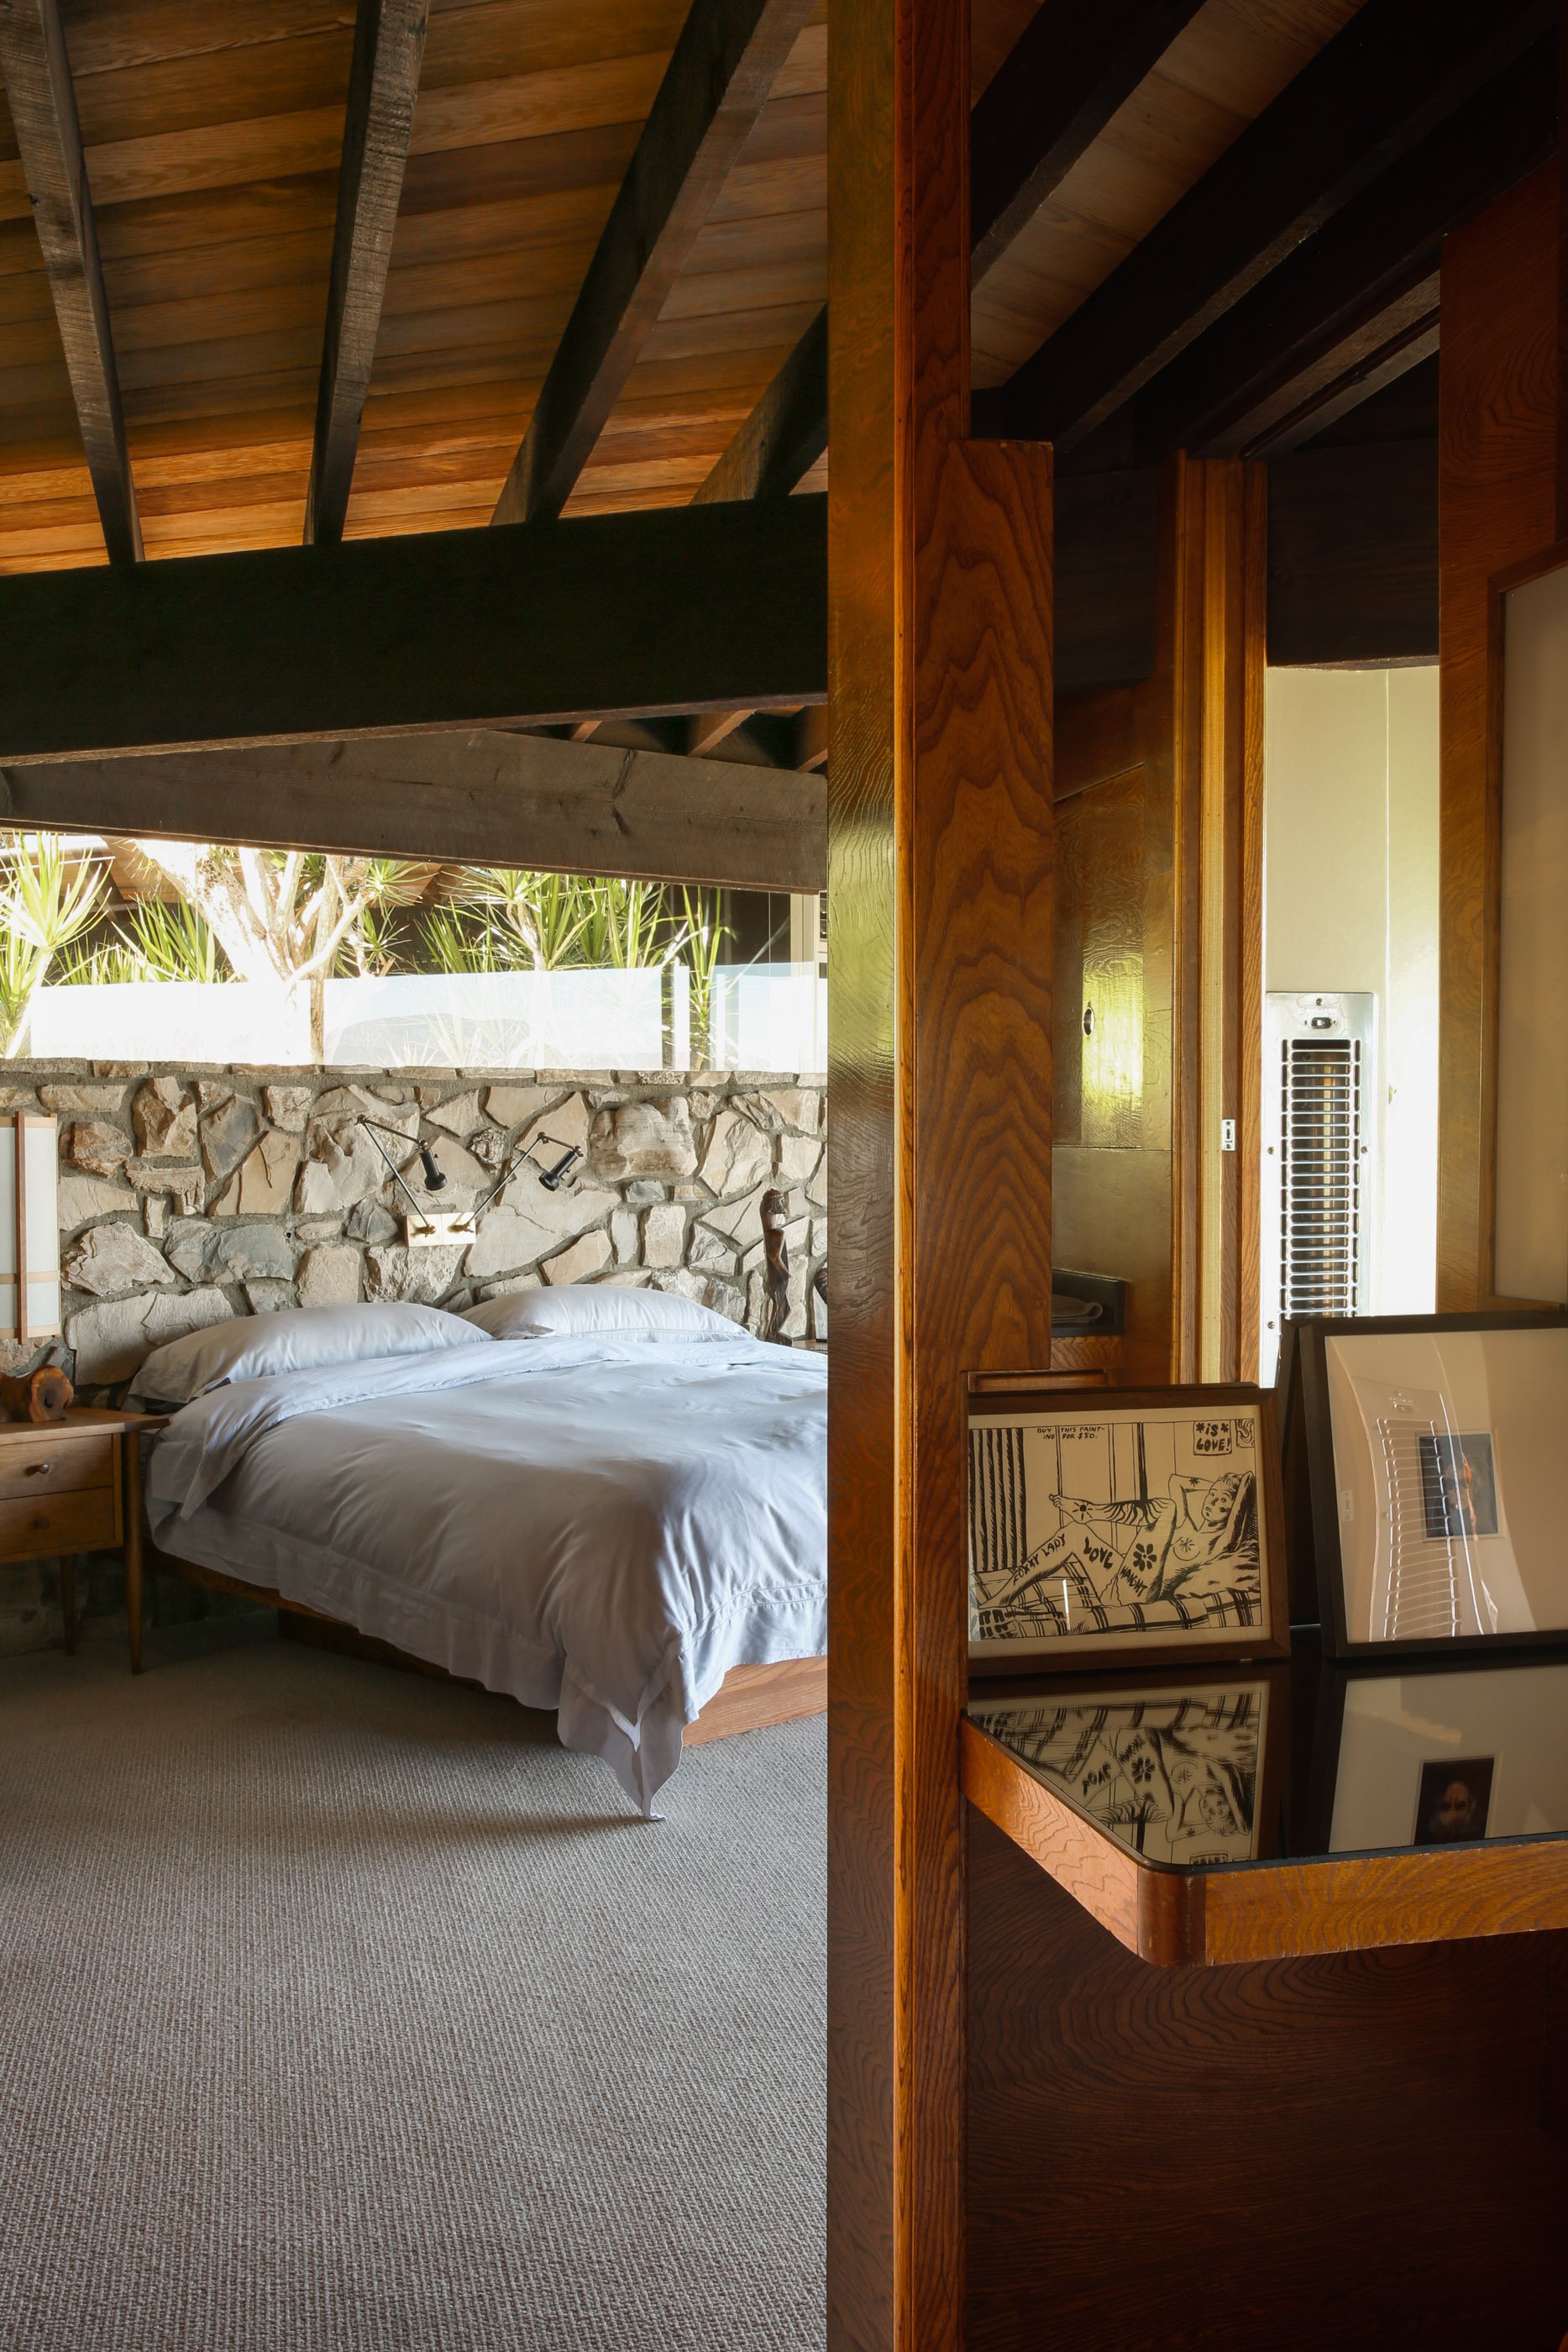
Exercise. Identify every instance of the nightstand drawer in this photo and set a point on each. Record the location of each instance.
(55, 1463)
(82, 1521)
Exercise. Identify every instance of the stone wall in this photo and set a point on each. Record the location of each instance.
(188, 1195)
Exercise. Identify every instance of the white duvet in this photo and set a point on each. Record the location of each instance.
(600, 1525)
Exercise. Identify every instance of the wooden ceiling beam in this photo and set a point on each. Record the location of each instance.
(1396, 70)
(725, 64)
(711, 727)
(478, 799)
(674, 609)
(1345, 304)
(785, 434)
(37, 72)
(383, 83)
(1065, 77)
(1069, 72)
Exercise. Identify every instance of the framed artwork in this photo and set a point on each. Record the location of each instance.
(1180, 1773)
(1114, 1522)
(1449, 1753)
(1435, 1449)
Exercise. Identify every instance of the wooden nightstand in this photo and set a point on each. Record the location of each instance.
(72, 1486)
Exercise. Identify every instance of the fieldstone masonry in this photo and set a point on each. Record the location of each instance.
(188, 1195)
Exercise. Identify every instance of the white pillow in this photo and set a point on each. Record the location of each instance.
(577, 1308)
(297, 1340)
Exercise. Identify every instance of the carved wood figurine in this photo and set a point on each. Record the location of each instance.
(42, 1396)
(776, 1274)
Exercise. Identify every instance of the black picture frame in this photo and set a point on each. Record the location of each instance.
(1309, 1369)
(1127, 1650)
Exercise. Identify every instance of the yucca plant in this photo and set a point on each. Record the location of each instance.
(702, 945)
(45, 904)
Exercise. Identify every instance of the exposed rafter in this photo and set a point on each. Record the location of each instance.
(1070, 69)
(480, 799)
(383, 82)
(713, 727)
(1396, 70)
(42, 100)
(1356, 298)
(1064, 78)
(785, 434)
(677, 609)
(726, 61)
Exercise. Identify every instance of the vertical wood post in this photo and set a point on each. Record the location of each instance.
(939, 899)
(1216, 575)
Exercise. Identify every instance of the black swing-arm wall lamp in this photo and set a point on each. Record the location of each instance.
(551, 1177)
(434, 1182)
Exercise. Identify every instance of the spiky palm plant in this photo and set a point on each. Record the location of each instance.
(44, 905)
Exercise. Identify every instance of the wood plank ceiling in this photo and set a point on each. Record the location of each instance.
(213, 133)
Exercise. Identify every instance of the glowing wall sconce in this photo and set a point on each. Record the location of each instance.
(29, 1227)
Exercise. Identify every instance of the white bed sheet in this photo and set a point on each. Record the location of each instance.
(599, 1525)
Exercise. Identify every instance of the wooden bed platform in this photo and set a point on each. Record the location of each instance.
(751, 1698)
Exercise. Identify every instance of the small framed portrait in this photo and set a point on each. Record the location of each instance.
(1453, 1800)
(1135, 1524)
(1433, 1445)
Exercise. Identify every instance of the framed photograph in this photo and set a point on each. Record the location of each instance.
(1439, 1507)
(1181, 1773)
(1445, 1752)
(1114, 1522)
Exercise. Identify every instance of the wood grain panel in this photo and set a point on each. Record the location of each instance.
(939, 831)
(753, 1698)
(1235, 2156)
(1496, 492)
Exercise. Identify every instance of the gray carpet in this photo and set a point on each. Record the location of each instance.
(339, 2012)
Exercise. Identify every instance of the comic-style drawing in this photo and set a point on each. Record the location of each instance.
(1140, 1523)
(1173, 1776)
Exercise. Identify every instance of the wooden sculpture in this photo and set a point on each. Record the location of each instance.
(775, 1273)
(41, 1396)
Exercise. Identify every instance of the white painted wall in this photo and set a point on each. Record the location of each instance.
(1350, 835)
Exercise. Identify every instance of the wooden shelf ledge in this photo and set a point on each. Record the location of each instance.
(1286, 1910)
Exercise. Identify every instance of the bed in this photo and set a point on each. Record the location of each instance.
(602, 1521)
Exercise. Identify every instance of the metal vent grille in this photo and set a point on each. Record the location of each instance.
(1321, 1205)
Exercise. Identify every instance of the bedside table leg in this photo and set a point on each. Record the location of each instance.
(133, 1545)
(69, 1600)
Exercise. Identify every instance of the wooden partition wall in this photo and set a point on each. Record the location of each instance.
(1158, 792)
(939, 877)
(1498, 491)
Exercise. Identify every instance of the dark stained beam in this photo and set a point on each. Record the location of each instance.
(1342, 302)
(679, 609)
(38, 90)
(383, 82)
(785, 434)
(1070, 69)
(725, 63)
(1407, 335)
(1353, 555)
(1396, 70)
(479, 799)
